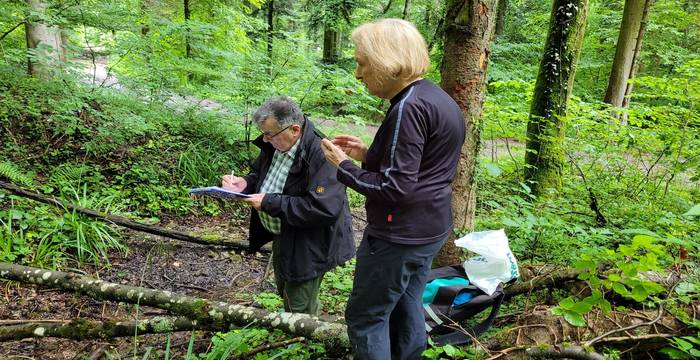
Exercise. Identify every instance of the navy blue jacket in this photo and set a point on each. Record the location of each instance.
(409, 167)
(316, 229)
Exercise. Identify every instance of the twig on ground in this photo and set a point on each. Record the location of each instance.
(269, 346)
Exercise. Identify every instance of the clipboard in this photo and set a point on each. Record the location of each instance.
(217, 192)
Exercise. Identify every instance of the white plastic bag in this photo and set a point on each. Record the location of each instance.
(495, 262)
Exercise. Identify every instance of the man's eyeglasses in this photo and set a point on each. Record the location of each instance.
(269, 137)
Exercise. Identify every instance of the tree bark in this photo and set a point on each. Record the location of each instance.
(42, 36)
(544, 156)
(270, 32)
(501, 17)
(331, 38)
(122, 221)
(468, 27)
(82, 329)
(627, 42)
(635, 58)
(204, 312)
(187, 15)
(557, 278)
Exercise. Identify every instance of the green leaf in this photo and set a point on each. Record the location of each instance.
(639, 293)
(694, 211)
(450, 350)
(614, 277)
(620, 289)
(493, 169)
(574, 319)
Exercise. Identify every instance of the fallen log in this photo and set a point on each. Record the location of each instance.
(83, 329)
(563, 352)
(122, 221)
(219, 315)
(556, 278)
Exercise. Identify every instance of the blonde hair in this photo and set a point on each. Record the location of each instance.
(393, 48)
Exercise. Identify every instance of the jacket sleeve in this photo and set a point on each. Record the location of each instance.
(399, 166)
(319, 205)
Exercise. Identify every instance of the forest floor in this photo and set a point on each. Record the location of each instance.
(153, 262)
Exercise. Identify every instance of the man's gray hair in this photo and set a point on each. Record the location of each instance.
(282, 108)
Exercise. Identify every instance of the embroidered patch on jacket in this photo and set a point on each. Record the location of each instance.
(320, 189)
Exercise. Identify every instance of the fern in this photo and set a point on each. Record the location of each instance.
(11, 172)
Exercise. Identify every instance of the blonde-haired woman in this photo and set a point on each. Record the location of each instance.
(405, 175)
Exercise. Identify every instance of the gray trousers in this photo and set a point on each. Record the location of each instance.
(385, 311)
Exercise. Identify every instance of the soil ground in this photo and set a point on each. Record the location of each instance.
(153, 262)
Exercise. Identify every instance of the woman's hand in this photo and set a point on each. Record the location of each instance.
(352, 146)
(233, 183)
(333, 154)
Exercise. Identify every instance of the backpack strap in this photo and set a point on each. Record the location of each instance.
(460, 338)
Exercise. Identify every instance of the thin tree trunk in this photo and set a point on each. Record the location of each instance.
(40, 34)
(501, 17)
(188, 48)
(387, 7)
(208, 313)
(468, 27)
(406, 9)
(122, 221)
(635, 58)
(627, 42)
(544, 156)
(331, 38)
(270, 32)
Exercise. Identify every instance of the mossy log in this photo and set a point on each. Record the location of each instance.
(553, 279)
(208, 313)
(122, 221)
(82, 329)
(563, 352)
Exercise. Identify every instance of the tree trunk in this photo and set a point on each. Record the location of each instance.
(270, 30)
(627, 42)
(501, 17)
(468, 27)
(43, 41)
(188, 48)
(122, 221)
(331, 38)
(544, 156)
(82, 329)
(218, 315)
(635, 58)
(406, 9)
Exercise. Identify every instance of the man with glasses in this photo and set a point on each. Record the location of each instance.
(297, 203)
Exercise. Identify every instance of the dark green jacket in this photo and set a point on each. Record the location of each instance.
(313, 208)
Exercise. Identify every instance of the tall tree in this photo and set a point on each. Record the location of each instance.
(43, 40)
(468, 25)
(406, 9)
(270, 30)
(187, 15)
(501, 16)
(331, 38)
(544, 155)
(627, 49)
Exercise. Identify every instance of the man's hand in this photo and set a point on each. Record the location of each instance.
(233, 183)
(333, 154)
(255, 200)
(352, 146)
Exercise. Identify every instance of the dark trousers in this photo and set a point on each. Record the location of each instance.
(297, 296)
(385, 312)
